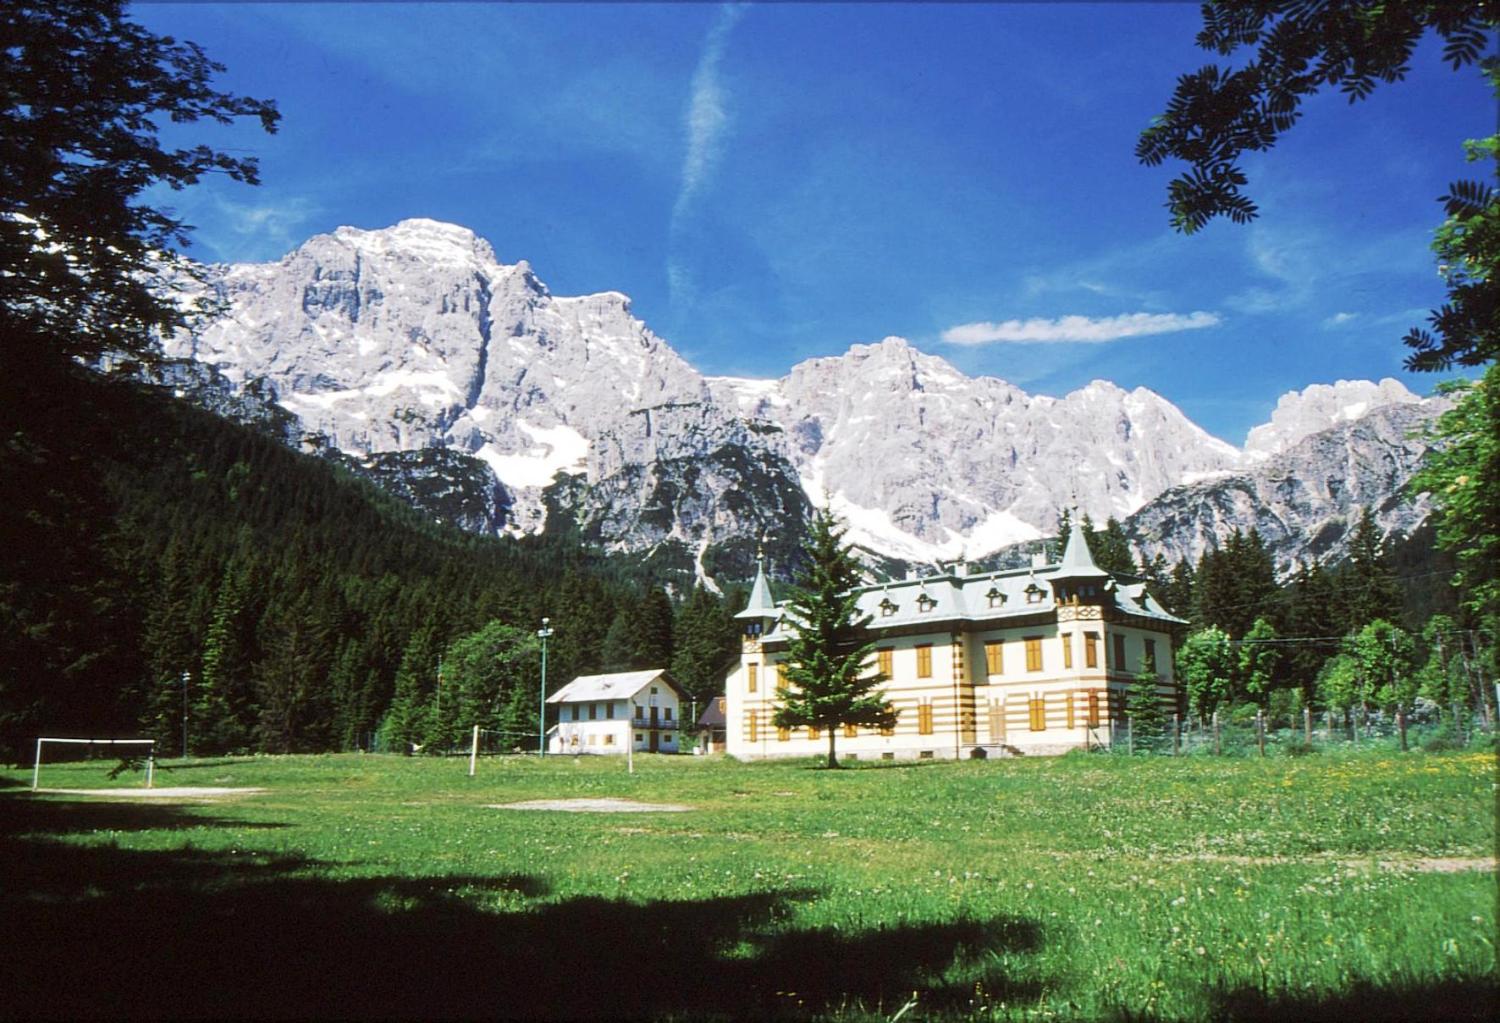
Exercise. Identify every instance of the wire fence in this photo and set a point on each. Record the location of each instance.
(1244, 734)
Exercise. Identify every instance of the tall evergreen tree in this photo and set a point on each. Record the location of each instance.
(1367, 587)
(640, 636)
(707, 644)
(405, 722)
(1312, 614)
(828, 680)
(289, 681)
(1177, 594)
(1148, 718)
(1111, 549)
(222, 709)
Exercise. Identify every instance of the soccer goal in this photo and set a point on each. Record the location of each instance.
(93, 748)
(490, 742)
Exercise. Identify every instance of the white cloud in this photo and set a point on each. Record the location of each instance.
(1085, 329)
(1339, 319)
(707, 120)
(707, 116)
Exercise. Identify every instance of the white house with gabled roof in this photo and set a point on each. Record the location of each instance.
(607, 713)
(1030, 660)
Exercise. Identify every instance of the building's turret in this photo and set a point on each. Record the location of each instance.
(761, 612)
(1077, 579)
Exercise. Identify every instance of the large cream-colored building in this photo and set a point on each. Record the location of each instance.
(1036, 660)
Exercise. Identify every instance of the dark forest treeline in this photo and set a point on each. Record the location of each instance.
(1381, 628)
(148, 541)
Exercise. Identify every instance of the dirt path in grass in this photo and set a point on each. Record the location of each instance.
(1380, 861)
(592, 806)
(205, 792)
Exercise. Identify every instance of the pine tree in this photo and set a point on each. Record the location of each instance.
(1064, 530)
(1214, 589)
(406, 720)
(707, 644)
(1311, 613)
(640, 636)
(1177, 595)
(1252, 589)
(826, 667)
(221, 709)
(289, 681)
(1148, 719)
(1367, 586)
(1111, 549)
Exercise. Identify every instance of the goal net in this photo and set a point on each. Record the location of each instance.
(81, 761)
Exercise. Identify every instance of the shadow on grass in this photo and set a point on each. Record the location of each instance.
(101, 931)
(1456, 1000)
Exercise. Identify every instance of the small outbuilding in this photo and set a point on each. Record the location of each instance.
(711, 726)
(603, 713)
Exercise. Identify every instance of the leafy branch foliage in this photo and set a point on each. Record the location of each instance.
(1462, 473)
(1216, 114)
(85, 90)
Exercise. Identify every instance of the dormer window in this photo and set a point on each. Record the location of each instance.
(995, 597)
(1033, 594)
(886, 607)
(925, 604)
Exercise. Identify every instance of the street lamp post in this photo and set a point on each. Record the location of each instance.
(541, 725)
(185, 677)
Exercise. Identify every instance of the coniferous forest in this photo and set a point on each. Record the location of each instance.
(165, 564)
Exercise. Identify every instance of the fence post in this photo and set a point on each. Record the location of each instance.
(1129, 735)
(1217, 748)
(1307, 725)
(1458, 724)
(1401, 726)
(1260, 733)
(1176, 732)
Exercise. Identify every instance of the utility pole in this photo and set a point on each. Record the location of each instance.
(186, 675)
(541, 725)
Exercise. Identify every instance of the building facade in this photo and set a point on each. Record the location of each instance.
(1026, 661)
(605, 714)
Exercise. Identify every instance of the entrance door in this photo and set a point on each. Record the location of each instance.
(655, 739)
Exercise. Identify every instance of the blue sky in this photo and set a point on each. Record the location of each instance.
(771, 183)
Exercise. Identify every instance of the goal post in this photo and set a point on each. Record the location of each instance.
(150, 744)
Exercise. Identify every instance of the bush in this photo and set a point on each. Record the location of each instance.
(1298, 748)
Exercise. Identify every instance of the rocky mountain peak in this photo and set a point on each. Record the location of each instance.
(415, 338)
(1300, 414)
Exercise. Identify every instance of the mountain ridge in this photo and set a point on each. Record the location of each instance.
(416, 336)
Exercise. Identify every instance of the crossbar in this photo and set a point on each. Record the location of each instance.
(36, 769)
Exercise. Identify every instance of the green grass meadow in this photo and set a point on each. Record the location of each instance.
(1081, 887)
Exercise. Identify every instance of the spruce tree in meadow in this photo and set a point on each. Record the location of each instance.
(1148, 718)
(829, 680)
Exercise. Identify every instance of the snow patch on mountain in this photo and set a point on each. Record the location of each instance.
(552, 450)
